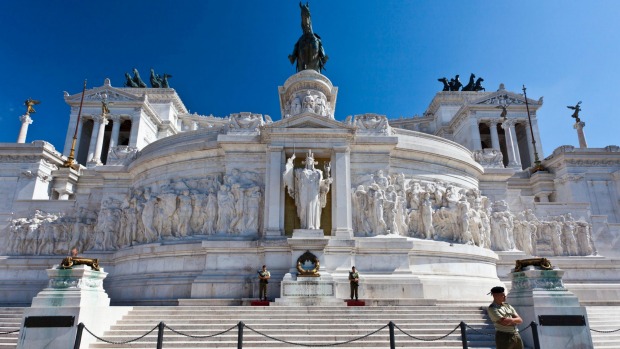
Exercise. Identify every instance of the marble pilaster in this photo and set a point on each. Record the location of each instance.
(475, 134)
(342, 226)
(274, 195)
(116, 127)
(510, 146)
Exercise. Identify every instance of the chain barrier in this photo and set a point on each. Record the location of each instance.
(124, 342)
(523, 330)
(428, 339)
(479, 332)
(314, 345)
(198, 337)
(601, 331)
(2, 333)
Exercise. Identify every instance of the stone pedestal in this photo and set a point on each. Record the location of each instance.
(537, 293)
(77, 293)
(580, 134)
(308, 291)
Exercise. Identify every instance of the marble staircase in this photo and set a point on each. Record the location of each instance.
(310, 325)
(10, 320)
(604, 318)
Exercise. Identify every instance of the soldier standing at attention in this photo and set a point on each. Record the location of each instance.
(354, 279)
(263, 279)
(505, 319)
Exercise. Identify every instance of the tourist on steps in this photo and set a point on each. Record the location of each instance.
(505, 319)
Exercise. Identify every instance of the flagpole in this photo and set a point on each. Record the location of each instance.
(71, 159)
(538, 166)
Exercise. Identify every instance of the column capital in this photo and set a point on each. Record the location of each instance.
(102, 119)
(25, 119)
(275, 148)
(114, 117)
(579, 125)
(342, 149)
(508, 123)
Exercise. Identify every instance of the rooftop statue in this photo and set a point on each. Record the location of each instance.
(29, 103)
(129, 81)
(470, 85)
(137, 80)
(308, 51)
(157, 81)
(577, 109)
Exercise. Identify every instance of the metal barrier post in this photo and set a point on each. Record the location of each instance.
(240, 335)
(160, 335)
(392, 340)
(535, 335)
(78, 336)
(463, 334)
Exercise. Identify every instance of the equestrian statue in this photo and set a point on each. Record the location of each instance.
(308, 51)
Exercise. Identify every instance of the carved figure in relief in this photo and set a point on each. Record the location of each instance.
(320, 106)
(308, 102)
(167, 205)
(149, 212)
(555, 233)
(389, 210)
(427, 217)
(381, 180)
(197, 221)
(310, 190)
(253, 198)
(583, 238)
(360, 210)
(211, 213)
(465, 236)
(295, 106)
(226, 209)
(375, 195)
(502, 230)
(183, 214)
(568, 236)
(237, 224)
(308, 51)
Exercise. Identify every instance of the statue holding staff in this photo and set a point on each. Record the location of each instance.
(309, 190)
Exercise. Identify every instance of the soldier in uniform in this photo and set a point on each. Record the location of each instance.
(505, 319)
(354, 279)
(263, 279)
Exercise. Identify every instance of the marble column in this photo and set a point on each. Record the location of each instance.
(577, 126)
(80, 126)
(530, 146)
(494, 136)
(274, 193)
(475, 133)
(133, 135)
(342, 225)
(510, 147)
(100, 121)
(515, 142)
(116, 127)
(26, 120)
(93, 140)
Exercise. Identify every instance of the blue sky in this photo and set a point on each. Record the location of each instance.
(385, 56)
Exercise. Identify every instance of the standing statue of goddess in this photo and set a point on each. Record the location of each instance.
(309, 190)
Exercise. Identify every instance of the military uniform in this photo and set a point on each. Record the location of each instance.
(354, 282)
(506, 337)
(262, 283)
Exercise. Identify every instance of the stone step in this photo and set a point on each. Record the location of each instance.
(10, 320)
(604, 318)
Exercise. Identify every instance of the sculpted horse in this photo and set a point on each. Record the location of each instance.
(470, 85)
(308, 51)
(478, 85)
(129, 81)
(446, 86)
(164, 81)
(455, 84)
(155, 79)
(137, 80)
